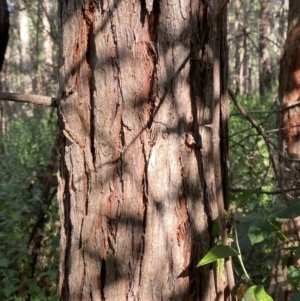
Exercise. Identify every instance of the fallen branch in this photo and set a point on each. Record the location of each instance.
(29, 98)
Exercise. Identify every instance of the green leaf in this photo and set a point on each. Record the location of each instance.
(4, 262)
(249, 218)
(9, 289)
(243, 198)
(295, 296)
(259, 231)
(217, 252)
(280, 209)
(293, 276)
(215, 227)
(255, 235)
(253, 228)
(256, 293)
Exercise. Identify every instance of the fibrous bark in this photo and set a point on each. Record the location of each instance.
(143, 111)
(289, 143)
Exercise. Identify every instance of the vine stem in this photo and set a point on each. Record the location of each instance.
(240, 256)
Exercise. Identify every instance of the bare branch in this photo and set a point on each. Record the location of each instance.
(268, 111)
(261, 191)
(29, 98)
(271, 157)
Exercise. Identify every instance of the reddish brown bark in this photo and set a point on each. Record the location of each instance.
(144, 164)
(289, 143)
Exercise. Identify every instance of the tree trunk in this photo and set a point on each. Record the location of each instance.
(265, 76)
(25, 59)
(239, 12)
(289, 139)
(289, 93)
(4, 30)
(243, 65)
(144, 113)
(48, 67)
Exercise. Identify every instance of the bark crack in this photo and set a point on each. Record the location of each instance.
(122, 150)
(183, 212)
(81, 251)
(91, 64)
(66, 232)
(117, 61)
(152, 49)
(103, 279)
(145, 202)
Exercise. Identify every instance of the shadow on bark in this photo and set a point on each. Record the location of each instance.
(115, 204)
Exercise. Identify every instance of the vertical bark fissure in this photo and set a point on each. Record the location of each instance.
(145, 200)
(153, 20)
(91, 64)
(102, 279)
(90, 165)
(121, 158)
(66, 234)
(117, 57)
(146, 154)
(83, 289)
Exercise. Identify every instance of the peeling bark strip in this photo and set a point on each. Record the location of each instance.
(136, 195)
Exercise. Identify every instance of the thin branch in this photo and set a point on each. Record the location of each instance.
(261, 191)
(234, 37)
(282, 129)
(267, 111)
(256, 112)
(29, 98)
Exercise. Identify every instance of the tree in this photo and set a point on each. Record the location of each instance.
(4, 26)
(289, 145)
(265, 76)
(144, 112)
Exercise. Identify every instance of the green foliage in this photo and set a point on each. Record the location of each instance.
(256, 293)
(26, 149)
(217, 252)
(256, 212)
(250, 167)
